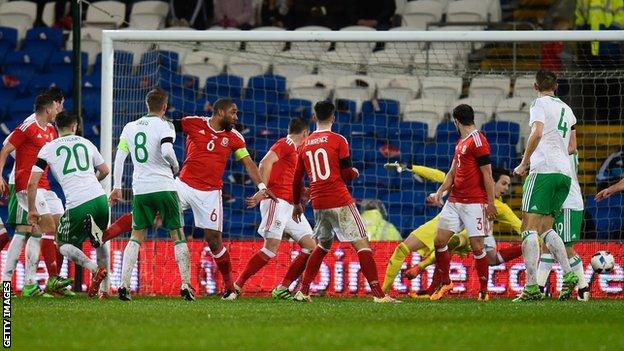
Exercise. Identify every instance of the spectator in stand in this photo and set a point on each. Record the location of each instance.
(233, 13)
(276, 13)
(378, 229)
(191, 13)
(371, 13)
(326, 13)
(601, 15)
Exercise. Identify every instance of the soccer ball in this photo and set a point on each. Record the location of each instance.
(602, 262)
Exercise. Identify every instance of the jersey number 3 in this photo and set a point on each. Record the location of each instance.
(320, 155)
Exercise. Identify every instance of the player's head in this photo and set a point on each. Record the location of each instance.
(463, 115)
(298, 126)
(545, 81)
(57, 95)
(225, 110)
(156, 101)
(67, 122)
(324, 111)
(45, 106)
(502, 181)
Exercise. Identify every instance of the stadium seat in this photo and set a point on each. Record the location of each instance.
(430, 111)
(123, 63)
(503, 155)
(380, 119)
(150, 7)
(523, 88)
(402, 88)
(136, 49)
(204, 64)
(515, 110)
(388, 60)
(91, 42)
(225, 85)
(268, 88)
(307, 50)
(438, 155)
(483, 107)
(22, 67)
(296, 108)
(607, 216)
(387, 106)
(225, 46)
(113, 15)
(442, 87)
(356, 88)
(21, 107)
(62, 62)
(42, 81)
(167, 60)
(446, 132)
(494, 87)
(409, 203)
(408, 131)
(360, 193)
(417, 14)
(502, 132)
(182, 85)
(467, 11)
(459, 49)
(364, 48)
(91, 102)
(247, 66)
(51, 35)
(19, 15)
(291, 70)
(147, 21)
(438, 60)
(310, 87)
(267, 48)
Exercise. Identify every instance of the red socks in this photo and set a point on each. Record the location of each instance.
(295, 269)
(312, 268)
(48, 250)
(509, 253)
(222, 259)
(443, 265)
(4, 240)
(483, 270)
(256, 262)
(122, 225)
(369, 269)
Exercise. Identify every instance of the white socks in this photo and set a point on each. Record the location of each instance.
(131, 253)
(545, 266)
(33, 249)
(183, 258)
(557, 248)
(102, 254)
(13, 252)
(577, 267)
(531, 253)
(76, 255)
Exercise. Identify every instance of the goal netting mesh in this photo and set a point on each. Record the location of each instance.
(393, 103)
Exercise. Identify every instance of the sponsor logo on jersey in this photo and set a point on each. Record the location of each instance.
(225, 142)
(202, 132)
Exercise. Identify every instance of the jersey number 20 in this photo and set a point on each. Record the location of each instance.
(73, 153)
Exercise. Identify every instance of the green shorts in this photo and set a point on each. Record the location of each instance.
(568, 225)
(71, 227)
(17, 215)
(146, 206)
(544, 193)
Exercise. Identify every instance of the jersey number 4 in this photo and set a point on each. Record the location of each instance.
(320, 155)
(563, 126)
(74, 154)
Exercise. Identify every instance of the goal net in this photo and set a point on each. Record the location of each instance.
(394, 92)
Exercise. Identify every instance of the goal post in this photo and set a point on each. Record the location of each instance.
(394, 92)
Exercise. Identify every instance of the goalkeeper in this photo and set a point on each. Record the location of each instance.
(421, 239)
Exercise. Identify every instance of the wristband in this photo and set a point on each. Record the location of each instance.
(262, 186)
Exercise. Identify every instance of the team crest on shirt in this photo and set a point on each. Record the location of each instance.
(278, 224)
(225, 142)
(463, 150)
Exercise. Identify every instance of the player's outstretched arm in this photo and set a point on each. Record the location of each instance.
(166, 148)
(488, 181)
(264, 168)
(7, 149)
(254, 174)
(572, 145)
(537, 129)
(33, 182)
(615, 188)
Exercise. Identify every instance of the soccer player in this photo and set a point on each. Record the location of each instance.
(277, 170)
(470, 204)
(421, 239)
(209, 143)
(325, 157)
(26, 140)
(569, 222)
(149, 141)
(72, 159)
(547, 186)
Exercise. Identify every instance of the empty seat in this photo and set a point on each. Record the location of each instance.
(204, 64)
(23, 65)
(19, 15)
(402, 88)
(438, 60)
(523, 87)
(483, 107)
(345, 59)
(308, 50)
(515, 110)
(461, 49)
(389, 60)
(182, 85)
(8, 41)
(149, 7)
(267, 88)
(224, 85)
(502, 132)
(353, 47)
(494, 87)
(291, 70)
(42, 81)
(62, 62)
(123, 63)
(265, 47)
(147, 21)
(113, 15)
(136, 49)
(91, 42)
(430, 111)
(442, 87)
(43, 41)
(467, 11)
(311, 87)
(230, 46)
(418, 13)
(247, 65)
(356, 88)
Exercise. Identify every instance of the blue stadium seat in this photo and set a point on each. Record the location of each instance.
(267, 87)
(92, 81)
(167, 60)
(225, 85)
(62, 62)
(180, 85)
(180, 107)
(607, 216)
(259, 108)
(389, 107)
(361, 130)
(360, 192)
(91, 102)
(42, 81)
(380, 119)
(348, 106)
(364, 149)
(438, 155)
(295, 108)
(409, 203)
(21, 108)
(7, 95)
(343, 118)
(502, 132)
(414, 131)
(43, 41)
(8, 41)
(504, 155)
(23, 66)
(123, 63)
(446, 132)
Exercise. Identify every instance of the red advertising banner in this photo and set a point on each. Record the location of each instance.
(156, 272)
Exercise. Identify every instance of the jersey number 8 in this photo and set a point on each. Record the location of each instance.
(140, 139)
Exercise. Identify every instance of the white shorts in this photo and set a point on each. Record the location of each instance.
(207, 206)
(47, 202)
(489, 243)
(456, 216)
(345, 222)
(277, 221)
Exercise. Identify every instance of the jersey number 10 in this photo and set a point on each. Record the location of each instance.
(320, 155)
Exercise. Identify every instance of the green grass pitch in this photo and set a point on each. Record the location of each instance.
(325, 324)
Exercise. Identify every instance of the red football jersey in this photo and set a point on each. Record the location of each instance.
(468, 186)
(283, 171)
(28, 138)
(207, 152)
(319, 156)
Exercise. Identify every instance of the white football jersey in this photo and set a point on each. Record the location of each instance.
(12, 174)
(152, 173)
(72, 160)
(574, 201)
(551, 154)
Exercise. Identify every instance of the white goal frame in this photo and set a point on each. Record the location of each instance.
(109, 37)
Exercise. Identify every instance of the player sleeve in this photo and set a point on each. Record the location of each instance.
(41, 163)
(481, 151)
(167, 138)
(347, 171)
(298, 180)
(97, 156)
(279, 149)
(536, 114)
(238, 146)
(507, 216)
(17, 138)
